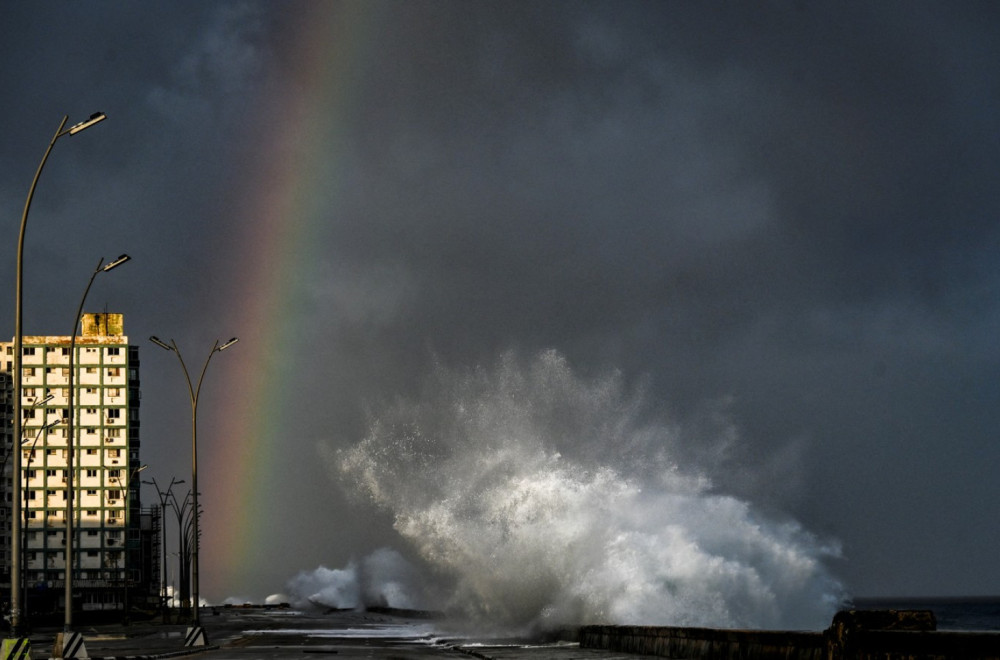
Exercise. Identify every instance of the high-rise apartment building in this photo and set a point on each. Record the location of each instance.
(108, 560)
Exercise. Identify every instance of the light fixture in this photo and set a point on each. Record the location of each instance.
(117, 262)
(47, 427)
(228, 344)
(48, 397)
(94, 119)
(159, 342)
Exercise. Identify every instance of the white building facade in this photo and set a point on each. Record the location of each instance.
(108, 551)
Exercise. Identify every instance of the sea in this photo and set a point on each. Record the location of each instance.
(980, 613)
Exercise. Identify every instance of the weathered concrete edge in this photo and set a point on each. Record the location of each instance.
(153, 656)
(853, 634)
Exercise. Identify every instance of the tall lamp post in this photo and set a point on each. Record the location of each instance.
(15, 527)
(23, 542)
(6, 456)
(125, 488)
(193, 393)
(163, 496)
(71, 440)
(183, 515)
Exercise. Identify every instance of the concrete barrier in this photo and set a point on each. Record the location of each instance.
(853, 635)
(705, 643)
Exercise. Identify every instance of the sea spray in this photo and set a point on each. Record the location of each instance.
(553, 499)
(383, 578)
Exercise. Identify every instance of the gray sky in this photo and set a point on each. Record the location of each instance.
(778, 220)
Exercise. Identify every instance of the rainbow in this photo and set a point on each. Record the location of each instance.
(297, 167)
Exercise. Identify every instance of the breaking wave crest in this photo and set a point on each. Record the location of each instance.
(383, 578)
(550, 499)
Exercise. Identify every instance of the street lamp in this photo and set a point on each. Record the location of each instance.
(183, 515)
(71, 440)
(15, 529)
(3, 464)
(23, 541)
(163, 497)
(125, 489)
(193, 393)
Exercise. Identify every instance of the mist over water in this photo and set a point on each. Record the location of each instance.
(383, 578)
(546, 499)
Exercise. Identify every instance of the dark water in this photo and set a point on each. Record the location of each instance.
(969, 613)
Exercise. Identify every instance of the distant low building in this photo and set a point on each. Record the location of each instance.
(112, 562)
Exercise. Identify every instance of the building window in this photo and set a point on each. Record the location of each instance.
(113, 351)
(28, 350)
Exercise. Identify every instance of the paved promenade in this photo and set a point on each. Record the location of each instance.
(256, 633)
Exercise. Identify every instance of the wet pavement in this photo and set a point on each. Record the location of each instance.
(246, 633)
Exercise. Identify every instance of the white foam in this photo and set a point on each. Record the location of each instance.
(552, 499)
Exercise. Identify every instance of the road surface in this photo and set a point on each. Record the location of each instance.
(264, 634)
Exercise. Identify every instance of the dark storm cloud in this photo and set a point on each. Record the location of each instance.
(781, 215)
(786, 205)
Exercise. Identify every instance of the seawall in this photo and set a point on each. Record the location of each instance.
(853, 635)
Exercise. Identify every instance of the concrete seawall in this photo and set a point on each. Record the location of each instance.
(704, 643)
(853, 635)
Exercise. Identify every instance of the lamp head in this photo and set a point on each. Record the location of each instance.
(159, 342)
(228, 344)
(117, 262)
(94, 119)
